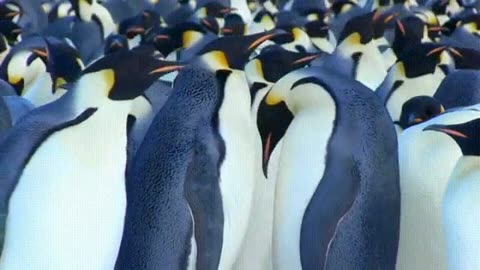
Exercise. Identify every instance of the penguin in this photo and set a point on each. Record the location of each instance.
(426, 161)
(178, 160)
(462, 235)
(466, 33)
(60, 10)
(356, 55)
(234, 25)
(78, 234)
(325, 197)
(299, 40)
(262, 72)
(10, 10)
(32, 18)
(11, 31)
(211, 24)
(114, 43)
(37, 74)
(417, 73)
(459, 89)
(320, 36)
(418, 110)
(228, 56)
(91, 10)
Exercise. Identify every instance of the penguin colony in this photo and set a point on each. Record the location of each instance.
(239, 135)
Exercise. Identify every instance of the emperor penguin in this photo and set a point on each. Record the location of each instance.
(91, 10)
(262, 72)
(11, 31)
(4, 48)
(79, 208)
(37, 72)
(417, 73)
(418, 110)
(356, 55)
(426, 161)
(329, 191)
(114, 43)
(174, 218)
(10, 10)
(227, 56)
(459, 89)
(460, 221)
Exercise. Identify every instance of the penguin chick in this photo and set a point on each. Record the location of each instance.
(462, 234)
(96, 108)
(419, 109)
(175, 173)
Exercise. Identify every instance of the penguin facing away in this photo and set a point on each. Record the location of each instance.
(460, 221)
(178, 177)
(69, 209)
(417, 110)
(317, 219)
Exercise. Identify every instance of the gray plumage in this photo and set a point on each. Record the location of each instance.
(17, 107)
(156, 96)
(174, 176)
(6, 89)
(460, 88)
(353, 219)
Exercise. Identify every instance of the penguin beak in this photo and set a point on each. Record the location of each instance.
(227, 30)
(41, 53)
(161, 37)
(306, 59)
(207, 23)
(272, 121)
(166, 67)
(266, 36)
(133, 31)
(227, 10)
(12, 14)
(446, 130)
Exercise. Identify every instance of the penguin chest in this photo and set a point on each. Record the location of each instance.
(460, 216)
(237, 170)
(421, 86)
(370, 68)
(39, 91)
(301, 167)
(68, 208)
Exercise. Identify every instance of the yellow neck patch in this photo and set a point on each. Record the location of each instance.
(190, 37)
(109, 78)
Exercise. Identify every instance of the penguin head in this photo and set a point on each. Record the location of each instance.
(418, 110)
(132, 27)
(234, 25)
(466, 135)
(274, 62)
(317, 29)
(357, 31)
(63, 62)
(11, 31)
(114, 43)
(232, 52)
(294, 93)
(423, 59)
(211, 24)
(408, 31)
(472, 24)
(124, 75)
(20, 67)
(10, 10)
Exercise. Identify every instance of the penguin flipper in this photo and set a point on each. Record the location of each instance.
(331, 202)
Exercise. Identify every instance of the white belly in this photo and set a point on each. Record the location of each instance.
(237, 171)
(68, 208)
(461, 217)
(302, 163)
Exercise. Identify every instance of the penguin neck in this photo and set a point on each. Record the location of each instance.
(467, 167)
